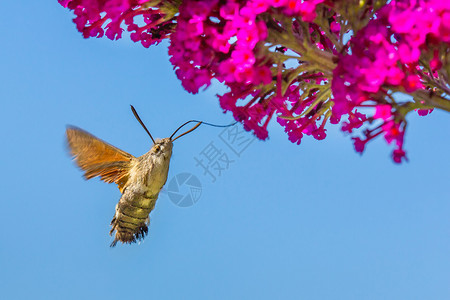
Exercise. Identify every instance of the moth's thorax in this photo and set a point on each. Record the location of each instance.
(150, 171)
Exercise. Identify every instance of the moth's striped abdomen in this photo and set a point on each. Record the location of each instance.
(131, 219)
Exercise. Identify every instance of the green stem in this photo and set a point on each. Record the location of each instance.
(321, 96)
(431, 99)
(309, 53)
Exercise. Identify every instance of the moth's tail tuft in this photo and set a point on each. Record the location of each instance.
(125, 236)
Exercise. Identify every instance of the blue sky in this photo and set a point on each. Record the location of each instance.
(315, 221)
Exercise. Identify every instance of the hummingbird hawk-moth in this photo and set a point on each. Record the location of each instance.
(140, 179)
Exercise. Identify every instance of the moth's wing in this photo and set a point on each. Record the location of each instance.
(98, 158)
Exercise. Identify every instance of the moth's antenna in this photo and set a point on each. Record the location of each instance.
(140, 121)
(195, 127)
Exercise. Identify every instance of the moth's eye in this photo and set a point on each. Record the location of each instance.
(157, 148)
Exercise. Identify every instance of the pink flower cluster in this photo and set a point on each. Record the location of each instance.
(225, 40)
(385, 58)
(218, 39)
(93, 17)
(287, 58)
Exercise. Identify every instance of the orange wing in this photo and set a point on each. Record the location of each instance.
(98, 158)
